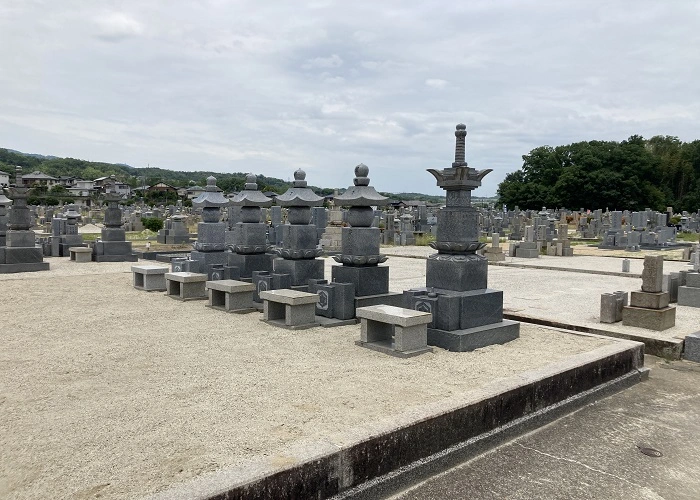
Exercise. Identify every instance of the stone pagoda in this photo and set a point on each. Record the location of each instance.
(210, 247)
(113, 247)
(64, 232)
(20, 254)
(250, 234)
(360, 257)
(466, 314)
(299, 248)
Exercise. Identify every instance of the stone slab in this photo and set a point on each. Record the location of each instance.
(116, 258)
(457, 272)
(185, 277)
(28, 267)
(394, 315)
(289, 297)
(230, 286)
(474, 338)
(368, 280)
(146, 269)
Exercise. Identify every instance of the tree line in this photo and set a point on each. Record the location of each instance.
(633, 174)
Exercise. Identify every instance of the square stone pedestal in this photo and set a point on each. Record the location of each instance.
(651, 319)
(394, 330)
(186, 286)
(289, 308)
(247, 263)
(149, 278)
(231, 296)
(300, 271)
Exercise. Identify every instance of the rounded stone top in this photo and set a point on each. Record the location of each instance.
(461, 126)
(211, 181)
(361, 170)
(251, 182)
(299, 175)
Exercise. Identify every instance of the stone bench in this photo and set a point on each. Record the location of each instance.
(149, 278)
(231, 296)
(80, 254)
(186, 286)
(394, 330)
(289, 308)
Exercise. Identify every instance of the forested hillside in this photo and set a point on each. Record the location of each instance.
(632, 174)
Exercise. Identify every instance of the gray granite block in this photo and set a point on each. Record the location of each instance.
(369, 280)
(26, 267)
(299, 270)
(360, 241)
(688, 296)
(299, 237)
(25, 239)
(691, 349)
(23, 255)
(113, 234)
(692, 279)
(250, 262)
(456, 272)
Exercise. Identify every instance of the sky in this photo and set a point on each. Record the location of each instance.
(270, 87)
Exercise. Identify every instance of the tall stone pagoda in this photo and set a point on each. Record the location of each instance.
(299, 249)
(360, 257)
(466, 313)
(20, 254)
(250, 234)
(210, 247)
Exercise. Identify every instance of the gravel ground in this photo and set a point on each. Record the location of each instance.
(112, 392)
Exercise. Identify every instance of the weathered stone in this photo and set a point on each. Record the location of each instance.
(653, 273)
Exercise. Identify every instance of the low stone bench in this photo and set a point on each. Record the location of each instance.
(394, 330)
(231, 296)
(289, 308)
(149, 278)
(186, 286)
(80, 254)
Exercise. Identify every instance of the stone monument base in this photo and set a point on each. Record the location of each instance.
(113, 251)
(474, 338)
(368, 280)
(22, 260)
(26, 267)
(651, 319)
(247, 263)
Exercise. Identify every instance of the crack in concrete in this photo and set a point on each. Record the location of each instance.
(576, 462)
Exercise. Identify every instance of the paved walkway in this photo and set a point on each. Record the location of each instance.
(594, 453)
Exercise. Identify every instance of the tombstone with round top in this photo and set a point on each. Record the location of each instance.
(210, 248)
(249, 245)
(20, 253)
(467, 314)
(299, 249)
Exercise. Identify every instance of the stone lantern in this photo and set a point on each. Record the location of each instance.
(209, 249)
(299, 237)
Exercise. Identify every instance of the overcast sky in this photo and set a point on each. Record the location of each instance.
(269, 87)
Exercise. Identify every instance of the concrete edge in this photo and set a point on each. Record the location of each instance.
(328, 469)
(405, 477)
(671, 348)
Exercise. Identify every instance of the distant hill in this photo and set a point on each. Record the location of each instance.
(137, 177)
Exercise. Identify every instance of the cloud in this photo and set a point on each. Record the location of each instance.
(274, 86)
(117, 26)
(436, 83)
(333, 61)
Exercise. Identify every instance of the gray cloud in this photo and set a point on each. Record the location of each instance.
(271, 87)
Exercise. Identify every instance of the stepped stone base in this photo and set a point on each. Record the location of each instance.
(652, 319)
(474, 338)
(27, 267)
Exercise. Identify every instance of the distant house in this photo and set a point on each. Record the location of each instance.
(193, 191)
(162, 187)
(66, 180)
(4, 179)
(39, 179)
(81, 188)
